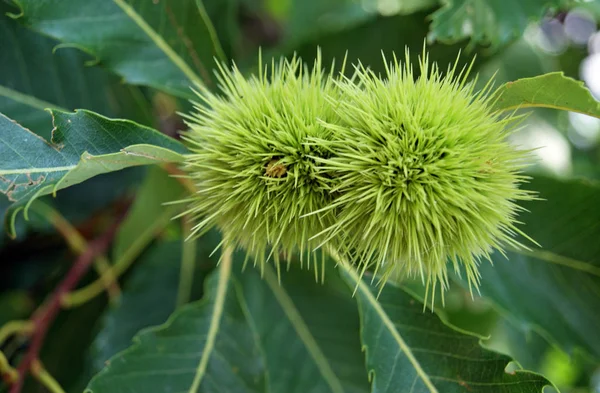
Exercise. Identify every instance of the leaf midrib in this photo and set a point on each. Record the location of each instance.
(548, 106)
(25, 171)
(557, 259)
(159, 41)
(294, 317)
(28, 100)
(388, 324)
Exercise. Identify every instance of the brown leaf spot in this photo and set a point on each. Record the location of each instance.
(463, 383)
(14, 187)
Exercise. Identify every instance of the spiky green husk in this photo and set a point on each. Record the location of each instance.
(394, 173)
(253, 162)
(424, 173)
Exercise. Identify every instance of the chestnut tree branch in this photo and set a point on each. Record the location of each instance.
(45, 315)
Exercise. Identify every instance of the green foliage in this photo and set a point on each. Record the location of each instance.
(147, 211)
(107, 162)
(163, 44)
(34, 78)
(428, 356)
(552, 90)
(563, 274)
(259, 317)
(83, 145)
(492, 21)
(149, 297)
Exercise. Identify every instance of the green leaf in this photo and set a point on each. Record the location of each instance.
(165, 44)
(408, 349)
(148, 298)
(490, 21)
(554, 289)
(309, 332)
(224, 15)
(528, 348)
(72, 329)
(33, 78)
(552, 90)
(284, 337)
(348, 27)
(173, 357)
(84, 144)
(305, 21)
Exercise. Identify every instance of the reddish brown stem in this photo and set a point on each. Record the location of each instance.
(46, 314)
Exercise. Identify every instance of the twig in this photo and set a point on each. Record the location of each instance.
(78, 244)
(83, 295)
(45, 315)
(15, 327)
(7, 373)
(44, 377)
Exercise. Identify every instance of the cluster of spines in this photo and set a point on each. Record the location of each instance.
(253, 169)
(424, 173)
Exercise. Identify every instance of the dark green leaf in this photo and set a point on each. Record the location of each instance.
(224, 15)
(164, 44)
(170, 358)
(84, 145)
(308, 332)
(149, 295)
(528, 348)
(493, 21)
(148, 299)
(553, 90)
(367, 41)
(304, 21)
(297, 337)
(33, 77)
(399, 7)
(66, 346)
(554, 290)
(410, 350)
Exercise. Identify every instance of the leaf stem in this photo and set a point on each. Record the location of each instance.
(211, 31)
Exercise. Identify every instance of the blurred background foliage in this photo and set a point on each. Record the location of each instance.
(54, 55)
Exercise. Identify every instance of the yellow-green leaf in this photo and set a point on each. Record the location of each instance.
(553, 90)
